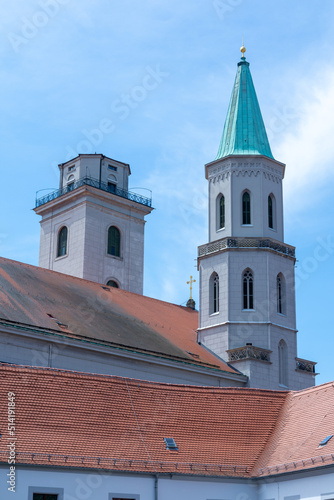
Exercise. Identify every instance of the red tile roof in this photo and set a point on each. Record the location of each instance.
(83, 309)
(76, 419)
(307, 419)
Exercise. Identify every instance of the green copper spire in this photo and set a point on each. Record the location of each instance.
(244, 130)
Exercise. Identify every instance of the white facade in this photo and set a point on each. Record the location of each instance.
(94, 200)
(33, 348)
(105, 485)
(234, 175)
(247, 284)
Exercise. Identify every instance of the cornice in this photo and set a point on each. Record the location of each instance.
(222, 172)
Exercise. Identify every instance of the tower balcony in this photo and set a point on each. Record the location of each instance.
(246, 243)
(95, 183)
(305, 365)
(249, 351)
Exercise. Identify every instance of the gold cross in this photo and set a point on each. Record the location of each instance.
(191, 285)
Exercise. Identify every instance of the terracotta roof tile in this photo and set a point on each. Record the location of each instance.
(102, 421)
(306, 419)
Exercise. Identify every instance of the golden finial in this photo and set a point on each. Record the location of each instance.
(243, 49)
(191, 286)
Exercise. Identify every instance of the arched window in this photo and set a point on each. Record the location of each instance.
(62, 242)
(112, 183)
(280, 291)
(283, 363)
(114, 241)
(112, 284)
(246, 208)
(248, 289)
(220, 211)
(214, 293)
(271, 211)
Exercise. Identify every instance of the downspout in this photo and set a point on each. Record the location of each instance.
(100, 175)
(156, 491)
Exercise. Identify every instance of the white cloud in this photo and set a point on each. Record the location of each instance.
(307, 147)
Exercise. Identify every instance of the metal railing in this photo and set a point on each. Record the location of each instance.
(249, 352)
(262, 243)
(89, 181)
(305, 365)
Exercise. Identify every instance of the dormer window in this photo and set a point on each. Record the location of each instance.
(170, 444)
(325, 441)
(111, 167)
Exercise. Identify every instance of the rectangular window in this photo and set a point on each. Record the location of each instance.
(123, 496)
(71, 168)
(111, 167)
(44, 496)
(45, 493)
(111, 187)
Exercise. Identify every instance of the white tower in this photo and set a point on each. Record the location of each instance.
(93, 227)
(247, 286)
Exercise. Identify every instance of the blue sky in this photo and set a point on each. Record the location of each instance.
(68, 68)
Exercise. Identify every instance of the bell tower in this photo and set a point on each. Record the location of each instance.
(92, 227)
(247, 284)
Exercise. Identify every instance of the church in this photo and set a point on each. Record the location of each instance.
(115, 395)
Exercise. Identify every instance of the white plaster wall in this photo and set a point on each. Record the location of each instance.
(264, 327)
(216, 339)
(89, 166)
(209, 489)
(220, 185)
(209, 265)
(317, 487)
(239, 334)
(93, 485)
(98, 264)
(304, 380)
(77, 485)
(260, 373)
(88, 215)
(230, 265)
(231, 177)
(73, 217)
(86, 485)
(30, 351)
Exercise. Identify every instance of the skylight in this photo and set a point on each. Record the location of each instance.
(170, 444)
(325, 441)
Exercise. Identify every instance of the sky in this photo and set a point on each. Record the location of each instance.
(69, 67)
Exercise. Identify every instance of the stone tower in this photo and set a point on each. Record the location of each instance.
(93, 227)
(247, 292)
